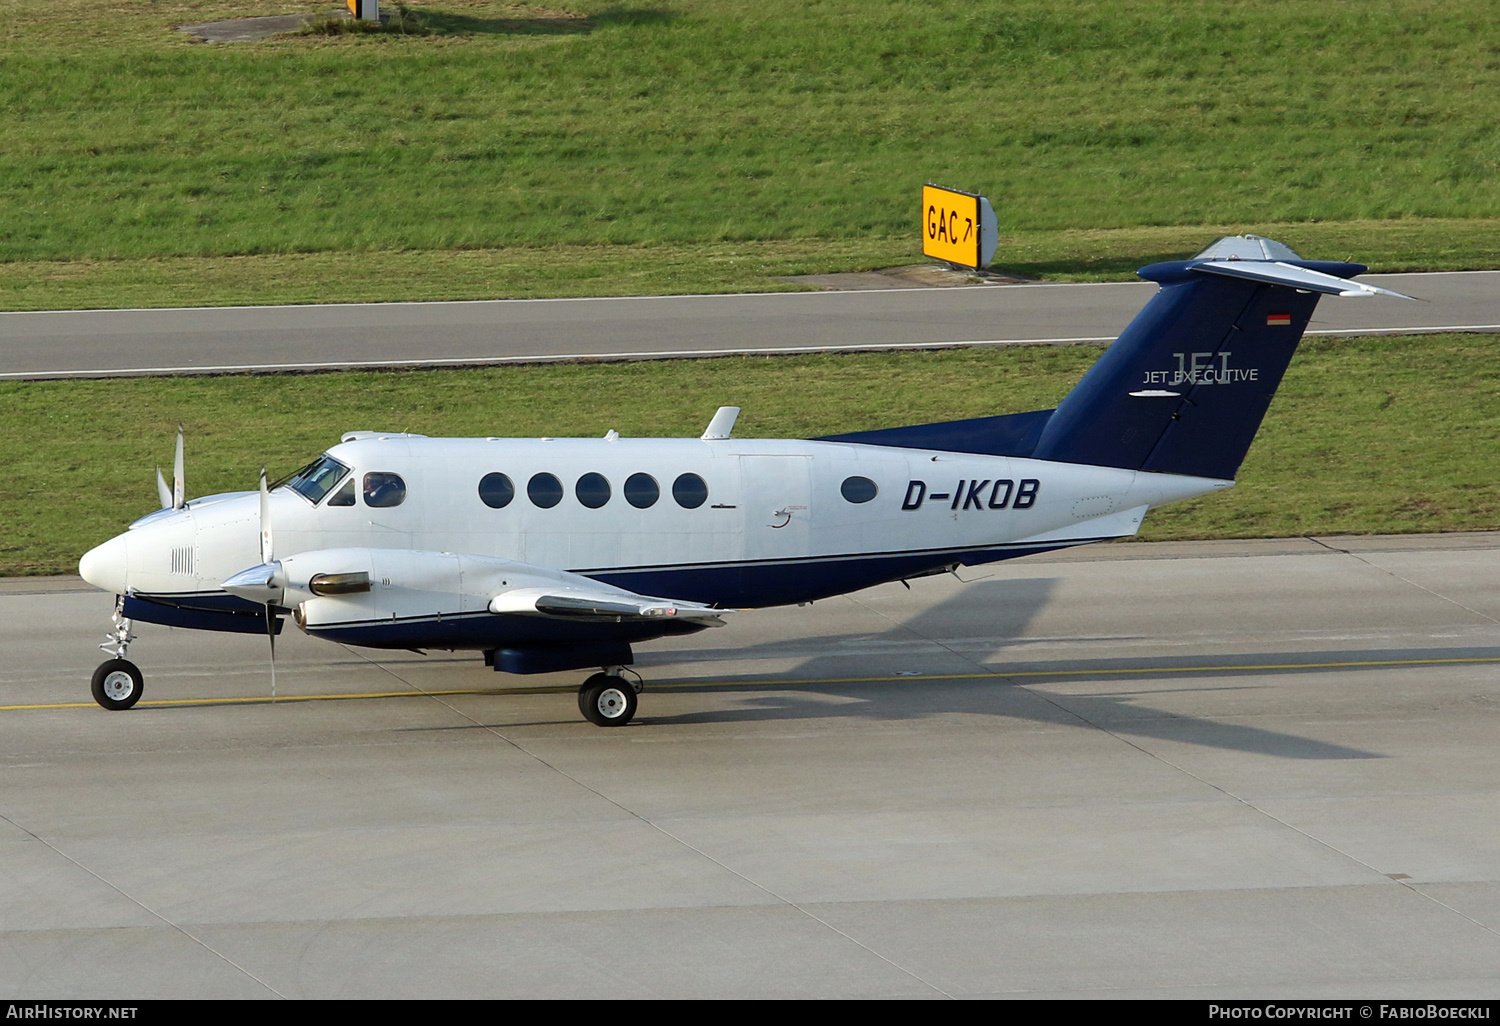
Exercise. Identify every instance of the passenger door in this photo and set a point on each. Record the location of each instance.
(776, 493)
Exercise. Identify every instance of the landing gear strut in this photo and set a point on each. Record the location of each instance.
(117, 682)
(607, 699)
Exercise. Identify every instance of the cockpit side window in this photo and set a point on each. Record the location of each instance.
(317, 479)
(344, 496)
(384, 489)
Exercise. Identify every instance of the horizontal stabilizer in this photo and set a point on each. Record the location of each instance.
(1278, 273)
(1247, 247)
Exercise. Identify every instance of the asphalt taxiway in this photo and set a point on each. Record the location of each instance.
(105, 343)
(1262, 769)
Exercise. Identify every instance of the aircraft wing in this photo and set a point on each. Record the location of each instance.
(600, 602)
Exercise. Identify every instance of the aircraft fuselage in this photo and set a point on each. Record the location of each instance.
(731, 523)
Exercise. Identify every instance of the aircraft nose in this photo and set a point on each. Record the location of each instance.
(104, 566)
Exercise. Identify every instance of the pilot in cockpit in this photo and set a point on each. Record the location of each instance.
(384, 489)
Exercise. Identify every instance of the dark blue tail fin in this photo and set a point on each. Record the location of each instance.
(1184, 388)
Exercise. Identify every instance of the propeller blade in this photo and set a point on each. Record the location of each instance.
(271, 634)
(266, 555)
(162, 491)
(179, 497)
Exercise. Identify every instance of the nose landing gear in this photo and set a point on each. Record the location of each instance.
(607, 699)
(117, 682)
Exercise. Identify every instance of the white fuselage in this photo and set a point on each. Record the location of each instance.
(768, 503)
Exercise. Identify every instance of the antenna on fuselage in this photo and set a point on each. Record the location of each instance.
(722, 425)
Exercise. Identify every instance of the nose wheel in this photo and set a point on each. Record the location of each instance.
(117, 684)
(607, 700)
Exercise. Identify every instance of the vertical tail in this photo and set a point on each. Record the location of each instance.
(1184, 388)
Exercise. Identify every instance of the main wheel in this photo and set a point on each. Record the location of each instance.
(118, 684)
(606, 701)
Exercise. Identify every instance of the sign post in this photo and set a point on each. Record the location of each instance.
(364, 10)
(958, 227)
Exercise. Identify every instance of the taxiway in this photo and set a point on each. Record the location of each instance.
(1261, 769)
(217, 340)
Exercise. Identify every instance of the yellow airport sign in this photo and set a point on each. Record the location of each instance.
(950, 225)
(958, 227)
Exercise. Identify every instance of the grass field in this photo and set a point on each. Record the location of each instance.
(1366, 435)
(744, 266)
(706, 145)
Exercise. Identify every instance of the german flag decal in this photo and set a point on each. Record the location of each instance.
(1283, 320)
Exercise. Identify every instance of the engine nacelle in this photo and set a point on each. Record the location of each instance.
(335, 587)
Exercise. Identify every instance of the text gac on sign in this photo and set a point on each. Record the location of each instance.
(950, 226)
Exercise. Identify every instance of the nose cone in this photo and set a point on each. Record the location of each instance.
(104, 567)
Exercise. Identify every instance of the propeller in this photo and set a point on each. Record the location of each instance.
(266, 554)
(267, 558)
(265, 583)
(175, 497)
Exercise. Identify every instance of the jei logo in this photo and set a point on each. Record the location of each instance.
(1201, 369)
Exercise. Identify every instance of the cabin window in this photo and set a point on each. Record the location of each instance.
(544, 490)
(690, 491)
(496, 490)
(344, 496)
(858, 489)
(592, 490)
(642, 491)
(316, 479)
(383, 490)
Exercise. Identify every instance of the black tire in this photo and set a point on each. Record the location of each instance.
(607, 701)
(117, 684)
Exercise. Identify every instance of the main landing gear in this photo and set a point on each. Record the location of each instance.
(117, 682)
(607, 699)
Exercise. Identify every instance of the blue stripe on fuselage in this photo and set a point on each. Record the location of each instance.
(735, 585)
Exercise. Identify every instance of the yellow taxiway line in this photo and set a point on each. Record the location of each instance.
(559, 689)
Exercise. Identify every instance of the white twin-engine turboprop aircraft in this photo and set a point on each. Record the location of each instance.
(561, 553)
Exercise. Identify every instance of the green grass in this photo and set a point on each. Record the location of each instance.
(618, 270)
(1367, 435)
(646, 136)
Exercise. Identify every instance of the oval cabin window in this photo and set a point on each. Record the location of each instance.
(496, 490)
(592, 490)
(858, 489)
(690, 491)
(642, 491)
(544, 490)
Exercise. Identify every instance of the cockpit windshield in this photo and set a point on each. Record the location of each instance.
(316, 479)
